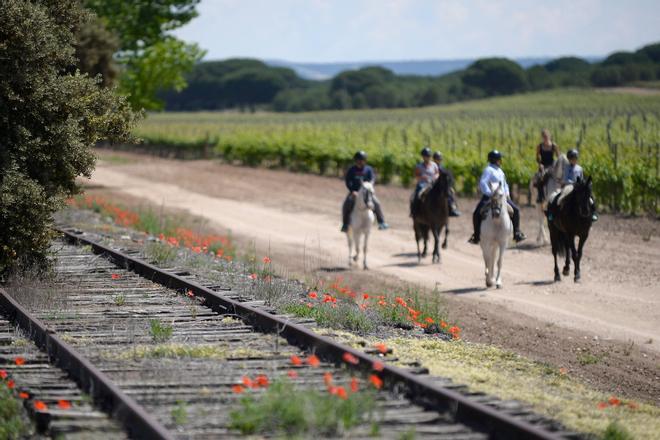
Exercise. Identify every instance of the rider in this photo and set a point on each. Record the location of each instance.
(572, 172)
(494, 174)
(426, 172)
(546, 152)
(358, 173)
(453, 209)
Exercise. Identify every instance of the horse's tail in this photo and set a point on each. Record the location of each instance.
(557, 240)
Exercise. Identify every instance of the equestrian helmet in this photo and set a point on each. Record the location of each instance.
(437, 155)
(360, 155)
(572, 154)
(426, 152)
(494, 156)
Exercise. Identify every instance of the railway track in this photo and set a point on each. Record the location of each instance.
(175, 348)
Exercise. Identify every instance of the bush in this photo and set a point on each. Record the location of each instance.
(49, 118)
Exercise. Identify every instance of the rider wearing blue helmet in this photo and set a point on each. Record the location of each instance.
(358, 173)
(493, 174)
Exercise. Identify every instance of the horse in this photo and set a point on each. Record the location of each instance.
(547, 181)
(496, 229)
(573, 218)
(361, 219)
(431, 213)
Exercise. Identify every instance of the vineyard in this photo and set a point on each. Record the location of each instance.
(618, 136)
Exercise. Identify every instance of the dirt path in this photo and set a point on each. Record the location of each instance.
(296, 216)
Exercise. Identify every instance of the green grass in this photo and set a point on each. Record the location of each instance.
(344, 316)
(159, 332)
(12, 421)
(180, 414)
(615, 431)
(160, 253)
(288, 411)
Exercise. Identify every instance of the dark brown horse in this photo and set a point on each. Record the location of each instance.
(572, 220)
(431, 213)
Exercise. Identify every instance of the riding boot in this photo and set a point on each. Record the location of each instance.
(379, 215)
(476, 223)
(453, 209)
(517, 234)
(346, 210)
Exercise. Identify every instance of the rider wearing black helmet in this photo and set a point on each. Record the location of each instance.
(494, 174)
(358, 173)
(426, 172)
(453, 209)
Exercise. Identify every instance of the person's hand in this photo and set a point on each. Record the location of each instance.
(353, 193)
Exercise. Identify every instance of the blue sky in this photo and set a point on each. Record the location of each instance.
(363, 30)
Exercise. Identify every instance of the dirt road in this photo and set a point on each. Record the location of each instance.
(619, 297)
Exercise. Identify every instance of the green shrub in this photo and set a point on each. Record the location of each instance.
(12, 421)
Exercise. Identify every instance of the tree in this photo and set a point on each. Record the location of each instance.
(651, 51)
(151, 59)
(621, 58)
(496, 76)
(567, 64)
(95, 49)
(50, 117)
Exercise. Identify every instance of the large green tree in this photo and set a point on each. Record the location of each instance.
(50, 117)
(150, 58)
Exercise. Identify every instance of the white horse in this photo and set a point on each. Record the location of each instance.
(495, 232)
(361, 219)
(553, 182)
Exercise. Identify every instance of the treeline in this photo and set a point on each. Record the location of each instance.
(249, 84)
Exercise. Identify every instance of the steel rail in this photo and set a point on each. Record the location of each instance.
(478, 416)
(137, 422)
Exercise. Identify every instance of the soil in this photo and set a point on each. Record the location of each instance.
(604, 330)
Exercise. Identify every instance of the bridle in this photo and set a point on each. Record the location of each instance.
(496, 204)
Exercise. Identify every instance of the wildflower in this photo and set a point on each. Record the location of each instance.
(327, 379)
(443, 324)
(313, 295)
(196, 249)
(190, 294)
(219, 253)
(247, 382)
(23, 395)
(63, 404)
(633, 405)
(253, 276)
(310, 305)
(455, 332)
(341, 393)
(292, 374)
(563, 371)
(382, 303)
(350, 358)
(115, 276)
(602, 405)
(3, 374)
(267, 260)
(228, 258)
(614, 401)
(381, 347)
(332, 390)
(313, 360)
(355, 385)
(376, 381)
(365, 296)
(363, 306)
(11, 384)
(267, 278)
(377, 366)
(295, 360)
(40, 406)
(237, 389)
(262, 381)
(429, 320)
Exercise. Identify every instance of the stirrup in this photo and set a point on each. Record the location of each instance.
(474, 239)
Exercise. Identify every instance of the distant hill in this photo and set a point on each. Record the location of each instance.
(323, 71)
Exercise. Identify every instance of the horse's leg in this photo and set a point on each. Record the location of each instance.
(356, 239)
(417, 238)
(350, 246)
(436, 244)
(425, 235)
(498, 280)
(444, 243)
(364, 250)
(486, 249)
(542, 237)
(578, 258)
(568, 243)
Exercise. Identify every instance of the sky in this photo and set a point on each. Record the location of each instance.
(372, 30)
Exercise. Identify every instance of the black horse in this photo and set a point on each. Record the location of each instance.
(573, 219)
(431, 213)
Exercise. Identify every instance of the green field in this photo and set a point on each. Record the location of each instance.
(617, 134)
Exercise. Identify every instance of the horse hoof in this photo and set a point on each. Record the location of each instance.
(498, 285)
(576, 279)
(444, 245)
(557, 278)
(355, 258)
(489, 284)
(366, 267)
(566, 271)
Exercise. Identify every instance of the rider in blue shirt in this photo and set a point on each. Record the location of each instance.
(493, 173)
(572, 173)
(358, 173)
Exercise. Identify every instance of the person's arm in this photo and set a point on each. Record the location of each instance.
(418, 174)
(538, 153)
(348, 179)
(506, 187)
(484, 182)
(371, 176)
(555, 147)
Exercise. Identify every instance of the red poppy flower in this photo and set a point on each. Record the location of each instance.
(237, 389)
(267, 260)
(602, 405)
(429, 320)
(40, 406)
(310, 305)
(313, 295)
(253, 276)
(332, 390)
(378, 366)
(443, 324)
(327, 379)
(228, 258)
(365, 296)
(292, 374)
(63, 404)
(350, 358)
(355, 385)
(313, 360)
(295, 360)
(247, 382)
(11, 384)
(341, 393)
(614, 401)
(19, 361)
(23, 395)
(633, 405)
(219, 253)
(262, 381)
(3, 374)
(381, 347)
(115, 276)
(376, 381)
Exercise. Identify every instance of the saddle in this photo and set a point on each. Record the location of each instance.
(486, 208)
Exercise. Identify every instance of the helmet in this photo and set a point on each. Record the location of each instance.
(426, 152)
(494, 156)
(572, 154)
(360, 155)
(437, 155)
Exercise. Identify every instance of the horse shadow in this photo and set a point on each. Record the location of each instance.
(406, 255)
(333, 269)
(405, 264)
(465, 290)
(535, 283)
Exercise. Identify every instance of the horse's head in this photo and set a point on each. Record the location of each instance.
(497, 199)
(366, 195)
(582, 197)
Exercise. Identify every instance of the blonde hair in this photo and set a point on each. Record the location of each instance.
(546, 132)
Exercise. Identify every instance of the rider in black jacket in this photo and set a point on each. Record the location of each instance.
(358, 173)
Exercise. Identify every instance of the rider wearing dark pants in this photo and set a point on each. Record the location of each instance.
(358, 173)
(453, 209)
(494, 174)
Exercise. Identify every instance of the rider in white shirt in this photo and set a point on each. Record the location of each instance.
(494, 174)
